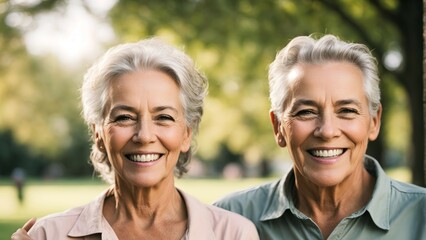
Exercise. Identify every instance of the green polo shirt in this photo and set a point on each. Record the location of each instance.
(396, 211)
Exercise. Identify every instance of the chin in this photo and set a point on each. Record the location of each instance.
(327, 183)
(326, 179)
(143, 182)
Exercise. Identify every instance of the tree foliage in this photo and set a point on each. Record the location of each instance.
(232, 42)
(39, 104)
(240, 38)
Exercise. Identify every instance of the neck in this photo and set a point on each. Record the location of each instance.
(327, 206)
(155, 202)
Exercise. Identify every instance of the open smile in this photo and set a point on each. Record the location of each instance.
(143, 157)
(327, 153)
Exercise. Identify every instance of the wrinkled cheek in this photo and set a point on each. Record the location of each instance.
(115, 141)
(298, 160)
(296, 135)
(360, 149)
(173, 159)
(173, 138)
(173, 141)
(116, 165)
(296, 153)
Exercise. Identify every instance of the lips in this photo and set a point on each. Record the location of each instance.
(327, 153)
(143, 157)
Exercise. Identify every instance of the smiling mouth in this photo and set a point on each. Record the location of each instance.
(327, 153)
(143, 157)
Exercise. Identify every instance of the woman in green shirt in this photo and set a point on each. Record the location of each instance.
(326, 107)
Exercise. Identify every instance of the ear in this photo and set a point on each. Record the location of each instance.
(98, 138)
(186, 144)
(276, 124)
(375, 125)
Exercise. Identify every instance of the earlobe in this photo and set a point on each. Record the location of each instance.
(276, 125)
(101, 147)
(98, 139)
(375, 124)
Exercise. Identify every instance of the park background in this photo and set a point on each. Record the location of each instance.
(47, 45)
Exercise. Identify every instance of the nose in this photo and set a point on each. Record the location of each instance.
(144, 132)
(327, 127)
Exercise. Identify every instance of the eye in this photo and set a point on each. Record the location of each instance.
(305, 113)
(165, 117)
(348, 112)
(123, 118)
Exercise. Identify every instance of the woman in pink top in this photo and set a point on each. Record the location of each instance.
(143, 103)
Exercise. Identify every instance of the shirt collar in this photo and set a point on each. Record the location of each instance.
(196, 211)
(379, 205)
(91, 220)
(278, 198)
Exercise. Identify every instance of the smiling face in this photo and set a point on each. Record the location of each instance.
(326, 123)
(144, 130)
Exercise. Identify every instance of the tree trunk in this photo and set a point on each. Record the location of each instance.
(411, 28)
(424, 90)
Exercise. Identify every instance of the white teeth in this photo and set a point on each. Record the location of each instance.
(144, 157)
(327, 153)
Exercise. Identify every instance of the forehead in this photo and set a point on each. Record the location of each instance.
(330, 79)
(145, 79)
(151, 86)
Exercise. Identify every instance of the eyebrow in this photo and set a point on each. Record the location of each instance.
(349, 102)
(132, 109)
(162, 108)
(308, 102)
(122, 107)
(301, 102)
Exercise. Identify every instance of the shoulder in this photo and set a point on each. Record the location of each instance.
(227, 224)
(249, 198)
(57, 218)
(404, 192)
(222, 216)
(407, 208)
(199, 210)
(58, 224)
(207, 220)
(407, 204)
(400, 195)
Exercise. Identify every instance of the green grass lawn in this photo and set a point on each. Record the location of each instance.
(44, 197)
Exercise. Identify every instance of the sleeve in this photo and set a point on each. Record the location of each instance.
(249, 233)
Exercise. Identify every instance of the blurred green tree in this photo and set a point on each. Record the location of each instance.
(234, 41)
(39, 104)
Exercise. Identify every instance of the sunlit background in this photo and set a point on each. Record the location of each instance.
(46, 47)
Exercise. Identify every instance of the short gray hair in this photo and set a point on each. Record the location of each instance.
(305, 49)
(153, 54)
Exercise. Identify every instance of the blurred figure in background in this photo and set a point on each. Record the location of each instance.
(18, 177)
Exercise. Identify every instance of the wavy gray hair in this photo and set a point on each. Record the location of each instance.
(305, 49)
(130, 57)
